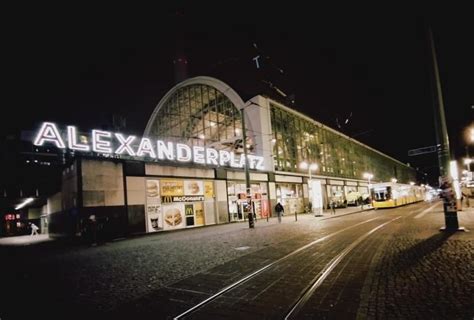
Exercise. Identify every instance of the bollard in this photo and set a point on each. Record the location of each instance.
(251, 221)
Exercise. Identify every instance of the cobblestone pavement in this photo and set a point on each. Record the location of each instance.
(419, 273)
(408, 271)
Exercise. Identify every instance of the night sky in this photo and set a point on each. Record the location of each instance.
(80, 65)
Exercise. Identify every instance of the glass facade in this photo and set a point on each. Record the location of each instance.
(199, 115)
(297, 139)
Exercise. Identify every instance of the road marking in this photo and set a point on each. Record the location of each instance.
(242, 248)
(422, 213)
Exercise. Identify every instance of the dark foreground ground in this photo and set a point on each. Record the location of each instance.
(407, 269)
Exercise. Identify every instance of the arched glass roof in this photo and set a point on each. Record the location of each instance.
(200, 115)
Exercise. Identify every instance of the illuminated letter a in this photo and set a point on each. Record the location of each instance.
(50, 133)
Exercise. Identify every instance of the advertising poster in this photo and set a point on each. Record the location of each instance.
(199, 214)
(154, 218)
(173, 216)
(208, 189)
(153, 206)
(172, 188)
(193, 188)
(153, 189)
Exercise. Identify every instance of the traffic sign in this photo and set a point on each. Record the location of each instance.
(415, 152)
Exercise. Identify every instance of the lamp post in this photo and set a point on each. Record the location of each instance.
(313, 166)
(368, 176)
(248, 208)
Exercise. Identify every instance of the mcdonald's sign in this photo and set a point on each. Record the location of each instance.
(166, 199)
(189, 210)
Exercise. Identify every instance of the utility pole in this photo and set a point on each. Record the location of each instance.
(248, 208)
(450, 210)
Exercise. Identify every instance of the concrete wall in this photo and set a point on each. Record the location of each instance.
(54, 203)
(152, 169)
(237, 175)
(259, 128)
(69, 187)
(102, 183)
(34, 213)
(136, 193)
(136, 200)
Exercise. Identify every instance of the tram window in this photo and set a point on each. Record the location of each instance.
(382, 194)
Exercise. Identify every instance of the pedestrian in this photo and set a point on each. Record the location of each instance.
(279, 210)
(34, 229)
(93, 229)
(333, 206)
(361, 201)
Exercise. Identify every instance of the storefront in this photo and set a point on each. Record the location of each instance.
(238, 199)
(336, 193)
(290, 193)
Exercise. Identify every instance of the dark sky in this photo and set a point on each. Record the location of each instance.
(78, 65)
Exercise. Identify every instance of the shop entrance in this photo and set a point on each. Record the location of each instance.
(237, 200)
(290, 195)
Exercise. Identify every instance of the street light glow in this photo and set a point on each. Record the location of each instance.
(24, 203)
(311, 167)
(304, 165)
(368, 175)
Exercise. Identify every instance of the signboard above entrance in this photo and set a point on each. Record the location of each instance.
(111, 143)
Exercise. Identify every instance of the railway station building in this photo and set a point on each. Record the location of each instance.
(187, 169)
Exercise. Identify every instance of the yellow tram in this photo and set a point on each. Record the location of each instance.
(391, 194)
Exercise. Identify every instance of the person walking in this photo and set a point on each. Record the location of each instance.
(333, 206)
(92, 230)
(279, 210)
(34, 229)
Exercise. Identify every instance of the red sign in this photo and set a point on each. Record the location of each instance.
(265, 208)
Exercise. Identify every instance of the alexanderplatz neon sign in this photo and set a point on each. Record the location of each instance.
(111, 143)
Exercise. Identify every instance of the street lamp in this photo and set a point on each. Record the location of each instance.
(310, 167)
(248, 208)
(368, 176)
(468, 162)
(313, 166)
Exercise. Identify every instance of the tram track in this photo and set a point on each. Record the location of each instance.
(318, 280)
(313, 283)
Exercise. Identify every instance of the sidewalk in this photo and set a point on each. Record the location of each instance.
(24, 240)
(326, 214)
(41, 238)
